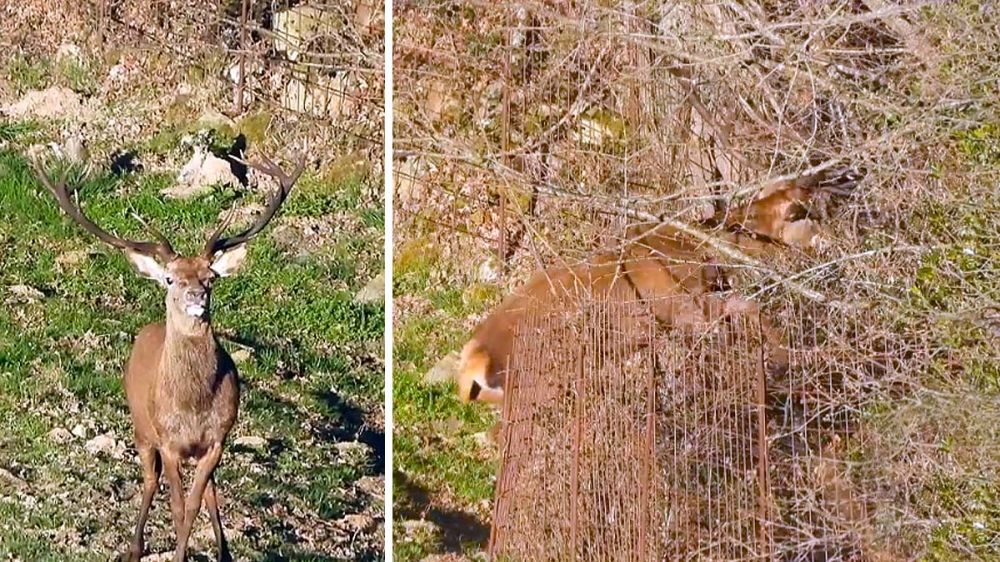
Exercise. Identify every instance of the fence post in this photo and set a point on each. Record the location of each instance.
(242, 79)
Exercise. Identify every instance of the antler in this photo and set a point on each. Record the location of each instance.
(216, 243)
(161, 248)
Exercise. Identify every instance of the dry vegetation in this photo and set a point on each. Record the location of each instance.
(535, 132)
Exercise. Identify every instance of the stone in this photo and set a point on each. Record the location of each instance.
(200, 175)
(103, 444)
(373, 291)
(321, 97)
(214, 119)
(240, 356)
(444, 370)
(69, 51)
(60, 435)
(251, 442)
(80, 431)
(50, 103)
(295, 28)
(25, 294)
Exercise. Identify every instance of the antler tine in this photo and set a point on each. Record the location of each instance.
(60, 192)
(216, 243)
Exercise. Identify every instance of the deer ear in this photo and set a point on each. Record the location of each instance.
(148, 267)
(229, 261)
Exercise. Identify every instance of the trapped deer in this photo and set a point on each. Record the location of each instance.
(664, 267)
(180, 384)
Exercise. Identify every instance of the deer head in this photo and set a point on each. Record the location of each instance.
(187, 279)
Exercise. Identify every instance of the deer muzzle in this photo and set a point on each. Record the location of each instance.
(196, 302)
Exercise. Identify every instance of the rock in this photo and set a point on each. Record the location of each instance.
(54, 102)
(60, 435)
(321, 97)
(406, 179)
(251, 442)
(240, 355)
(9, 477)
(213, 119)
(598, 128)
(374, 486)
(24, 294)
(80, 431)
(70, 52)
(352, 451)
(373, 291)
(489, 270)
(103, 444)
(295, 28)
(74, 149)
(202, 172)
(357, 521)
(444, 370)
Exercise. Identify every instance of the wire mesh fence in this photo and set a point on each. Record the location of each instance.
(625, 440)
(321, 62)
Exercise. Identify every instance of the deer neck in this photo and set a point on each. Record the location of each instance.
(189, 363)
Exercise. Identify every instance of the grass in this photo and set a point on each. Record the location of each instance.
(312, 381)
(34, 73)
(444, 473)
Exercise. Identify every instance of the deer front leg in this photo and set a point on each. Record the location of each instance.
(212, 503)
(172, 472)
(203, 472)
(151, 467)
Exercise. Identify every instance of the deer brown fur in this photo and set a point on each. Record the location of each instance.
(180, 384)
(678, 278)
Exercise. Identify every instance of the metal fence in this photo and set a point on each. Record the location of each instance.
(321, 61)
(623, 440)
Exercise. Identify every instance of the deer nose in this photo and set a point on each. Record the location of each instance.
(196, 296)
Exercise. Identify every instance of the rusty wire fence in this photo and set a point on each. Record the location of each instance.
(624, 440)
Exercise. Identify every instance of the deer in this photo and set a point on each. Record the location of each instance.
(181, 385)
(662, 266)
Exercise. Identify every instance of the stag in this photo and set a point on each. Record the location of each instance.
(662, 266)
(181, 385)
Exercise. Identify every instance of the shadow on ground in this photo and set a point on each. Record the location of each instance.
(458, 528)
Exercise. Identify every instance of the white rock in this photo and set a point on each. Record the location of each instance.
(489, 270)
(80, 431)
(373, 291)
(321, 97)
(25, 293)
(212, 118)
(53, 102)
(102, 444)
(69, 51)
(202, 172)
(240, 355)
(296, 27)
(444, 370)
(251, 442)
(60, 435)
